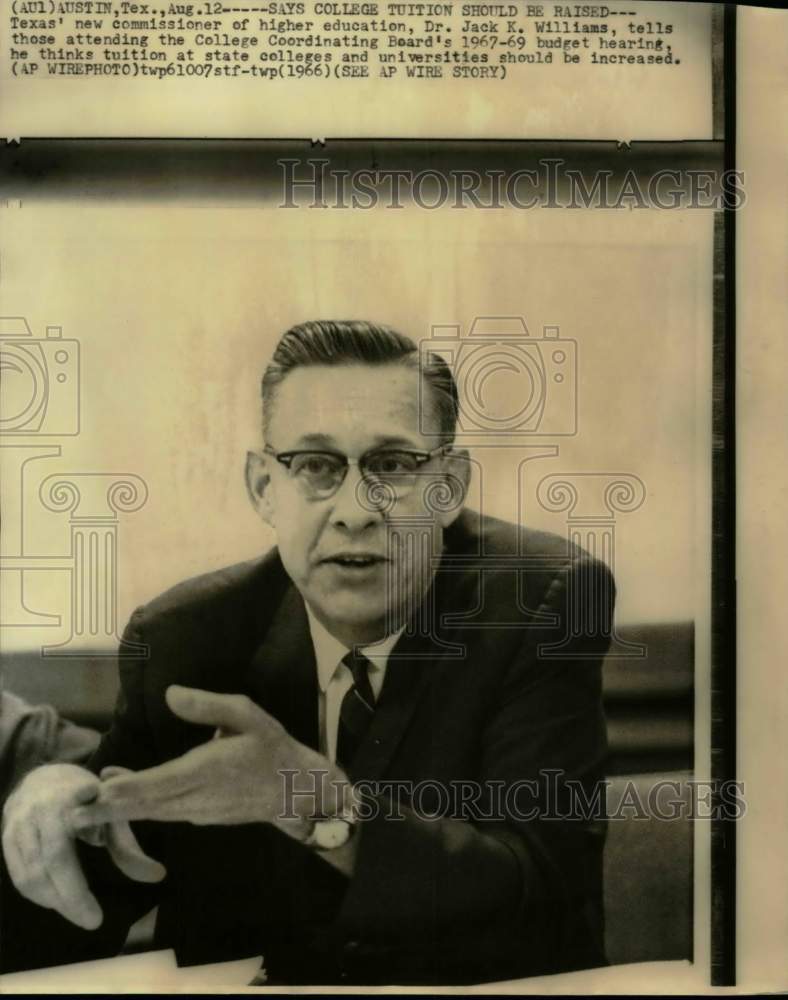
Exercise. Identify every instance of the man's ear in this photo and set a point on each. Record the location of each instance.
(457, 478)
(258, 485)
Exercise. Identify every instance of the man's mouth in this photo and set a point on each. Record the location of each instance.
(354, 560)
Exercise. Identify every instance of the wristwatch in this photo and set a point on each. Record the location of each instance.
(330, 832)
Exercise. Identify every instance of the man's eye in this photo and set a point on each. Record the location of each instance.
(315, 465)
(391, 463)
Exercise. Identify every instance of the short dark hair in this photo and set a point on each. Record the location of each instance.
(341, 342)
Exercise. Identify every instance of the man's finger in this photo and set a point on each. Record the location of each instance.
(94, 835)
(127, 854)
(83, 819)
(88, 792)
(34, 881)
(147, 794)
(25, 865)
(75, 900)
(113, 770)
(233, 712)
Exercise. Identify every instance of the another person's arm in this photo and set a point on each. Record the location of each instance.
(52, 861)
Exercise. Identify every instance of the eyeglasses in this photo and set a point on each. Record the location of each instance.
(319, 474)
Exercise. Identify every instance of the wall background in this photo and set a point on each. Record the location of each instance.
(177, 307)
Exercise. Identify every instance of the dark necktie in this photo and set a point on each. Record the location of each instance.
(356, 710)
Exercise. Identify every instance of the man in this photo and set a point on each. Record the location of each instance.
(345, 751)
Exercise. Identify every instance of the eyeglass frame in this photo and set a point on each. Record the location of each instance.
(285, 458)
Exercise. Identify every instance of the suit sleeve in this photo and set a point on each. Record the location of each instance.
(34, 937)
(532, 861)
(129, 741)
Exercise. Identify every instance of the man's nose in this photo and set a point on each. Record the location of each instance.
(354, 505)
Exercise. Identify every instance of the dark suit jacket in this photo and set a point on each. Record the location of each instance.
(497, 682)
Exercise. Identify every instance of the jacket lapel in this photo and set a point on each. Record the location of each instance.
(412, 666)
(404, 683)
(282, 679)
(282, 675)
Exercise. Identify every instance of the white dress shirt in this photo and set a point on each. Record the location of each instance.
(335, 679)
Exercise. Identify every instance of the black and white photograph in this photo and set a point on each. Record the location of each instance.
(368, 585)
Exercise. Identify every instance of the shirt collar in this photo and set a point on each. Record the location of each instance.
(329, 651)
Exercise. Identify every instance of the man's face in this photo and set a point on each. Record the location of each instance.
(359, 567)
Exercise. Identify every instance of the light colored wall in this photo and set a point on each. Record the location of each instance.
(177, 307)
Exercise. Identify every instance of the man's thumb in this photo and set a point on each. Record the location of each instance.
(86, 793)
(129, 856)
(233, 712)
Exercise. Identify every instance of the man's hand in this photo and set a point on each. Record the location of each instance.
(40, 825)
(235, 779)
